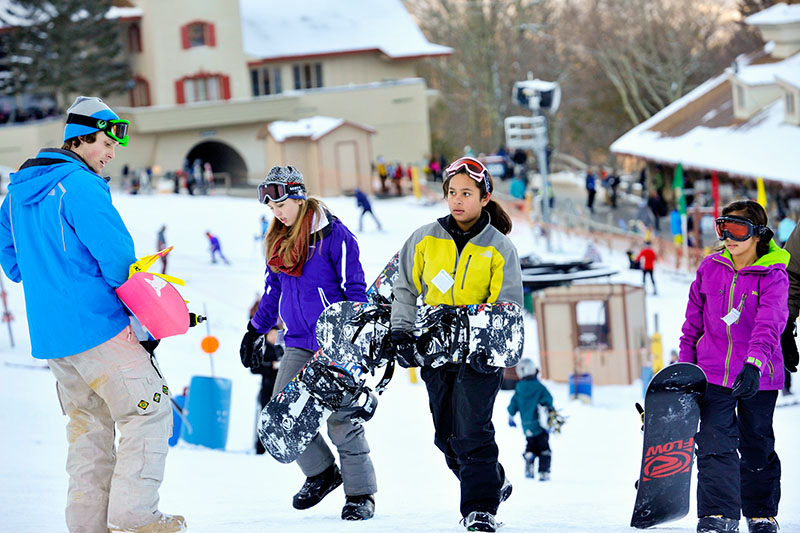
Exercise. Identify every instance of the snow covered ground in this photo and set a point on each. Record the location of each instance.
(595, 460)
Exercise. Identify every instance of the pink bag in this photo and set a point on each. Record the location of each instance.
(156, 303)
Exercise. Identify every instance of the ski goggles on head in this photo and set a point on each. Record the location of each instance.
(116, 129)
(474, 169)
(278, 192)
(738, 228)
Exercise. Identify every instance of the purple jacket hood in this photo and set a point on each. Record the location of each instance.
(333, 273)
(759, 293)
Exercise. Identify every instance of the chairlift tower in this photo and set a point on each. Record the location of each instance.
(530, 133)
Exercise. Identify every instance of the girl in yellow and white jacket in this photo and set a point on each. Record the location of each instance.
(464, 258)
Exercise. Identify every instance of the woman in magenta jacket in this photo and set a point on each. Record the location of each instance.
(736, 312)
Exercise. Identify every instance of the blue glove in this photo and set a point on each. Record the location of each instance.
(746, 384)
(511, 422)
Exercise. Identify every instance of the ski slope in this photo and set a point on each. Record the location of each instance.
(595, 460)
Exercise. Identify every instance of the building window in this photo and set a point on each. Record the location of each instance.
(203, 88)
(140, 93)
(791, 108)
(740, 104)
(198, 33)
(592, 324)
(266, 80)
(307, 75)
(134, 39)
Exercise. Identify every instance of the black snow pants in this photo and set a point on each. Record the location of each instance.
(539, 446)
(749, 480)
(462, 417)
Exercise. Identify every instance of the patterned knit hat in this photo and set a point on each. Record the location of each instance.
(88, 106)
(282, 183)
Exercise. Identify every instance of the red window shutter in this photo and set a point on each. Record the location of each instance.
(185, 36)
(179, 96)
(226, 87)
(211, 35)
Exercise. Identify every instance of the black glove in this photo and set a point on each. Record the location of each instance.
(252, 350)
(746, 384)
(789, 346)
(150, 346)
(405, 350)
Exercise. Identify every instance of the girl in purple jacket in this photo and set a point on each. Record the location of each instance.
(736, 312)
(312, 262)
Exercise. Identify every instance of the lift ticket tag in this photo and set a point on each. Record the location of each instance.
(443, 281)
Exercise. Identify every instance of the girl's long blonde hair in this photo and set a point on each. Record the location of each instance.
(288, 235)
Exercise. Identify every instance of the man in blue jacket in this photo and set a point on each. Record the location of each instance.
(61, 236)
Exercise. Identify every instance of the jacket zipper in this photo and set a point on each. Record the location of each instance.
(464, 279)
(728, 332)
(455, 269)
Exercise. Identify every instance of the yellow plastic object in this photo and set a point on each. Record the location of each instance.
(143, 264)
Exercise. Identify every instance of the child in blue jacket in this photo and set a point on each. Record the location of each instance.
(529, 394)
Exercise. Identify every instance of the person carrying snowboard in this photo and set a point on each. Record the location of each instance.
(312, 262)
(529, 394)
(463, 258)
(736, 313)
(61, 236)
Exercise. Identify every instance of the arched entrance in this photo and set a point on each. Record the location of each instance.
(223, 158)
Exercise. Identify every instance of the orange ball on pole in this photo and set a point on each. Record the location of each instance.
(209, 344)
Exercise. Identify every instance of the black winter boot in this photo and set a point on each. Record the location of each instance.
(717, 524)
(480, 521)
(359, 507)
(317, 487)
(762, 525)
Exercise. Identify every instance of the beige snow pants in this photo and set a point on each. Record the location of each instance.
(115, 382)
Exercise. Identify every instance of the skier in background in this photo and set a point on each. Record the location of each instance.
(736, 312)
(529, 394)
(461, 396)
(649, 256)
(71, 248)
(161, 244)
(309, 251)
(363, 203)
(216, 248)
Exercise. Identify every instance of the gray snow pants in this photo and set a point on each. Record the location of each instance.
(113, 383)
(358, 473)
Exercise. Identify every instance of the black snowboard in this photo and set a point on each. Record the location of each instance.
(671, 417)
(332, 379)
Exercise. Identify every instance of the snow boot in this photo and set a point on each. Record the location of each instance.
(167, 523)
(505, 490)
(359, 507)
(717, 524)
(530, 469)
(317, 487)
(544, 476)
(480, 521)
(762, 525)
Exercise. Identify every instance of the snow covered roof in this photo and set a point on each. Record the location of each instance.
(788, 70)
(700, 131)
(775, 15)
(276, 29)
(313, 128)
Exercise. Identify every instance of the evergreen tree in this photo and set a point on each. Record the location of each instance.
(62, 47)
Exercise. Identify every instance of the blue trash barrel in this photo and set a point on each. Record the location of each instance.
(176, 419)
(580, 385)
(647, 375)
(208, 411)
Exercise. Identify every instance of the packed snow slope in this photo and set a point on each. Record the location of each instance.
(595, 460)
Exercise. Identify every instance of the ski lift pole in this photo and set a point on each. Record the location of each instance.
(7, 316)
(209, 344)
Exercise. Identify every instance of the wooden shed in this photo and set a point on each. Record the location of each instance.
(333, 154)
(600, 329)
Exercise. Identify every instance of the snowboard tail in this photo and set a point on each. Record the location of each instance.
(671, 417)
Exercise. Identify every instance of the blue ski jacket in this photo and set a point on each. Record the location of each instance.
(529, 394)
(333, 273)
(63, 239)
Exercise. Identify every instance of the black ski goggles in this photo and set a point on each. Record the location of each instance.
(116, 129)
(739, 228)
(278, 192)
